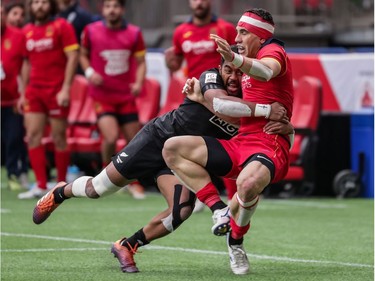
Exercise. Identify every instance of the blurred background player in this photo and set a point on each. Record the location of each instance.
(113, 58)
(192, 43)
(15, 14)
(77, 16)
(51, 61)
(12, 129)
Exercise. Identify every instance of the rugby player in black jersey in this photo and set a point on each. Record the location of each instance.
(142, 158)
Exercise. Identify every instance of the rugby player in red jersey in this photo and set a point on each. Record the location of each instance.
(113, 58)
(51, 61)
(254, 157)
(12, 129)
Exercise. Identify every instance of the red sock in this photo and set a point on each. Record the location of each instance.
(38, 163)
(238, 231)
(62, 160)
(208, 195)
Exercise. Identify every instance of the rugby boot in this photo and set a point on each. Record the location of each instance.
(125, 256)
(239, 262)
(221, 219)
(46, 205)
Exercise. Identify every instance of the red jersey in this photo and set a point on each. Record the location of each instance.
(112, 54)
(45, 45)
(278, 89)
(12, 55)
(194, 43)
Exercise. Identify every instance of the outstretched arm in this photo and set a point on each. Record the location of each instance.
(263, 69)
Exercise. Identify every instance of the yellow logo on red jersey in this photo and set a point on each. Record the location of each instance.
(49, 31)
(187, 34)
(213, 30)
(29, 34)
(7, 44)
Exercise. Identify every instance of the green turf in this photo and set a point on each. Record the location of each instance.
(310, 239)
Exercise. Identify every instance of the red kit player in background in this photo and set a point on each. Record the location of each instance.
(12, 130)
(52, 56)
(192, 43)
(191, 40)
(113, 58)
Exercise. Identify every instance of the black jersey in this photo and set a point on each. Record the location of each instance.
(142, 157)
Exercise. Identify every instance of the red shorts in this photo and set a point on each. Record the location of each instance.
(44, 100)
(125, 111)
(120, 108)
(242, 147)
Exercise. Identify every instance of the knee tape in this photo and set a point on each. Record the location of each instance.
(167, 222)
(174, 220)
(103, 185)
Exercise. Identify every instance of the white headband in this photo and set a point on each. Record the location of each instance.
(257, 23)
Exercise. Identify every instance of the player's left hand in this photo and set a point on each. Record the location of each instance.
(188, 87)
(135, 89)
(63, 98)
(193, 90)
(274, 127)
(278, 113)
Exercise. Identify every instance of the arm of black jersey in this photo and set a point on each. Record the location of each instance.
(212, 85)
(209, 95)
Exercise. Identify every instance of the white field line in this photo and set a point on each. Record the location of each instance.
(154, 247)
(299, 203)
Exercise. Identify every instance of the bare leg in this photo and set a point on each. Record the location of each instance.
(113, 175)
(159, 226)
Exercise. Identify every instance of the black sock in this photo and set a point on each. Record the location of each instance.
(218, 205)
(137, 238)
(232, 241)
(59, 195)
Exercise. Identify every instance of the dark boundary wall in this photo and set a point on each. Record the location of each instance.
(333, 151)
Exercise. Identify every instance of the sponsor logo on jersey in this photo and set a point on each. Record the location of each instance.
(39, 45)
(198, 48)
(246, 82)
(117, 61)
(210, 78)
(228, 128)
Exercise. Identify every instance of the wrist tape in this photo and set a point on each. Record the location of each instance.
(262, 110)
(89, 72)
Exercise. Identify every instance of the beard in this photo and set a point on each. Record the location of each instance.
(40, 15)
(114, 20)
(201, 13)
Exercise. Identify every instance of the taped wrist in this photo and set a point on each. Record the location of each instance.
(238, 60)
(262, 110)
(231, 108)
(89, 72)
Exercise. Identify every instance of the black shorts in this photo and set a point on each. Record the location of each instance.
(142, 157)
